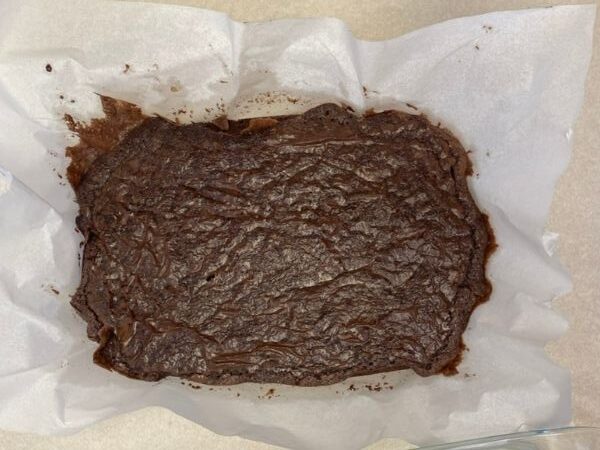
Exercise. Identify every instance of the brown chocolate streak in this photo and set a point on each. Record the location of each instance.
(100, 136)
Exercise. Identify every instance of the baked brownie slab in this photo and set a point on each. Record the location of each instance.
(300, 250)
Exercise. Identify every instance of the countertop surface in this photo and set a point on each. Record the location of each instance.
(575, 216)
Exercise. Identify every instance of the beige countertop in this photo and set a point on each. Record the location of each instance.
(575, 215)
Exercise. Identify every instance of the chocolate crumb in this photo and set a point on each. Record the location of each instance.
(221, 122)
(127, 67)
(55, 291)
(48, 68)
(411, 106)
(259, 124)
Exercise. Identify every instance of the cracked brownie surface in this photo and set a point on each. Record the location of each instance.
(300, 250)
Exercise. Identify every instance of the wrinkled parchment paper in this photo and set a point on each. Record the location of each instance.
(508, 84)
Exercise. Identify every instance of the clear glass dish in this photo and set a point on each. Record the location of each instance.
(571, 438)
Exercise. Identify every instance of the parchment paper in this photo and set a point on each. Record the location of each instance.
(508, 84)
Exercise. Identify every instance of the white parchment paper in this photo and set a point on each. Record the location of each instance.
(509, 84)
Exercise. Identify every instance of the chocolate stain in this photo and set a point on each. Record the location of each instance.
(100, 136)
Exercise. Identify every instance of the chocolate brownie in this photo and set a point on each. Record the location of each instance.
(300, 250)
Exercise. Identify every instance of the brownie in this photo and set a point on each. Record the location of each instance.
(300, 249)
